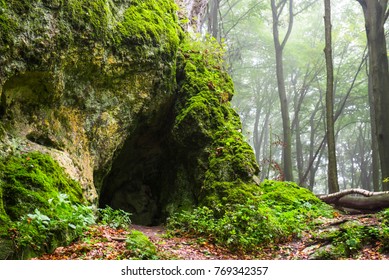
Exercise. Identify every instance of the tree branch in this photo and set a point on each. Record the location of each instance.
(290, 25)
(305, 7)
(336, 196)
(363, 3)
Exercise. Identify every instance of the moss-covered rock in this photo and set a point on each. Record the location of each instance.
(140, 247)
(134, 110)
(28, 184)
(195, 154)
(77, 77)
(207, 125)
(29, 181)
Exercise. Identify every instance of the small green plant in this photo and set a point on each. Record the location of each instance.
(140, 247)
(44, 230)
(114, 218)
(282, 212)
(242, 227)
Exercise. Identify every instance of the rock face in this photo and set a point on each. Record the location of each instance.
(120, 97)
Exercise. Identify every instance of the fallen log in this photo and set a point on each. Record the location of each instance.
(358, 199)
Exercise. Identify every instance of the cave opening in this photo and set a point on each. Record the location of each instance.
(141, 173)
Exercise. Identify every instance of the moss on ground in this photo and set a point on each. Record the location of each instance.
(253, 220)
(28, 185)
(30, 180)
(140, 246)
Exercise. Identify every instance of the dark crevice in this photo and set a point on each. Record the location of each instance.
(141, 171)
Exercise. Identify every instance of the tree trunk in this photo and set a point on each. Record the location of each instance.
(213, 18)
(257, 136)
(375, 13)
(375, 157)
(365, 201)
(332, 167)
(279, 47)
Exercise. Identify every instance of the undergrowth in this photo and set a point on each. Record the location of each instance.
(352, 237)
(114, 218)
(43, 230)
(282, 212)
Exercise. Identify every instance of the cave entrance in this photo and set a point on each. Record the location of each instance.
(137, 176)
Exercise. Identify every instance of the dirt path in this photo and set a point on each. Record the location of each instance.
(186, 248)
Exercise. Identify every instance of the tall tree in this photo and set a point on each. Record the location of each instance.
(213, 8)
(277, 8)
(375, 156)
(332, 170)
(376, 14)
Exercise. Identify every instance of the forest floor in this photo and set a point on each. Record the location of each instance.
(103, 242)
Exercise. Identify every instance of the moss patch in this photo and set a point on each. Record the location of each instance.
(248, 220)
(207, 124)
(140, 247)
(288, 194)
(151, 23)
(30, 180)
(29, 183)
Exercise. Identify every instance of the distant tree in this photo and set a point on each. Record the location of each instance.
(277, 8)
(375, 14)
(332, 170)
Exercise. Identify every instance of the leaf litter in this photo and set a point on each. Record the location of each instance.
(105, 243)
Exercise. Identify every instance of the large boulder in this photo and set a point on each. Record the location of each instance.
(133, 109)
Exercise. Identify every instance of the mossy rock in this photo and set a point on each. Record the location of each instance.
(288, 194)
(30, 180)
(140, 246)
(151, 23)
(28, 184)
(206, 123)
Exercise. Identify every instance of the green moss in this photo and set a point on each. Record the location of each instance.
(206, 122)
(287, 193)
(92, 16)
(22, 7)
(4, 219)
(148, 27)
(140, 247)
(151, 23)
(7, 26)
(40, 206)
(30, 180)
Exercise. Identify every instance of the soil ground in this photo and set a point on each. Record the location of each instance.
(102, 242)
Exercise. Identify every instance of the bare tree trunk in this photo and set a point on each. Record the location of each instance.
(375, 156)
(279, 47)
(358, 199)
(311, 170)
(213, 18)
(195, 11)
(257, 136)
(333, 185)
(375, 13)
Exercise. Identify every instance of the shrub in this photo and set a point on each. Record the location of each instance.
(114, 218)
(280, 213)
(44, 230)
(242, 227)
